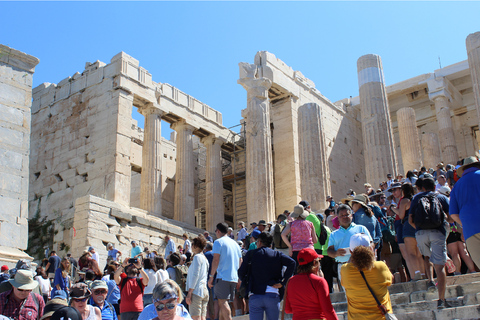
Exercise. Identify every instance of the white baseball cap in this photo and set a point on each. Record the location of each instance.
(359, 239)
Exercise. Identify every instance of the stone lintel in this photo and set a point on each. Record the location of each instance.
(18, 59)
(123, 56)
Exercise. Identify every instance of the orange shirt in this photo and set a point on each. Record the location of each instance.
(361, 304)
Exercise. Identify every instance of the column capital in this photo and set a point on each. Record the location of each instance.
(438, 88)
(150, 108)
(182, 125)
(211, 139)
(255, 79)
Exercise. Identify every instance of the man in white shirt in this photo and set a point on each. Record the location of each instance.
(95, 255)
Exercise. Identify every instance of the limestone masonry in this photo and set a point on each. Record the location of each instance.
(100, 178)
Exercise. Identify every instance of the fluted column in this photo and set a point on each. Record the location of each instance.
(446, 136)
(184, 203)
(151, 179)
(409, 140)
(431, 150)
(473, 51)
(314, 174)
(259, 167)
(378, 143)
(214, 205)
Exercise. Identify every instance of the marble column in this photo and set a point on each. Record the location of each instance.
(151, 180)
(431, 150)
(378, 142)
(409, 140)
(473, 51)
(259, 165)
(214, 205)
(446, 135)
(314, 174)
(184, 202)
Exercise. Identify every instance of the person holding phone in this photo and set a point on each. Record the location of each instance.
(131, 287)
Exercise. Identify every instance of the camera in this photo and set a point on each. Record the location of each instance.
(132, 261)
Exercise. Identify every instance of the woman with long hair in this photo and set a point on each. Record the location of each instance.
(44, 283)
(307, 295)
(413, 257)
(196, 286)
(162, 274)
(302, 232)
(151, 271)
(61, 280)
(361, 303)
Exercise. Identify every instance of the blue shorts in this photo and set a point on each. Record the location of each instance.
(408, 230)
(399, 230)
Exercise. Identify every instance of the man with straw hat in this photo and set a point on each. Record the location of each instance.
(21, 302)
(465, 204)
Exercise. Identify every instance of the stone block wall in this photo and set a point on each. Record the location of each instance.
(16, 73)
(98, 222)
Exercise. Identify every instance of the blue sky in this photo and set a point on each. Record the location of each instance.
(196, 46)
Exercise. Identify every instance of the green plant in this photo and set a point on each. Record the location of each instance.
(40, 234)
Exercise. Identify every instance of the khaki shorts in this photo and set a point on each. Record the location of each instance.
(198, 307)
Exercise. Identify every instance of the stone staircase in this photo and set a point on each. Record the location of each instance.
(412, 301)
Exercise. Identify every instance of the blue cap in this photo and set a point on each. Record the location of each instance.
(255, 233)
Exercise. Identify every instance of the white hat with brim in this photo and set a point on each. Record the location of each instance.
(361, 199)
(467, 163)
(24, 280)
(299, 211)
(359, 239)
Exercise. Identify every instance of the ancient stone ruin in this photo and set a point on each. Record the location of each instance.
(98, 178)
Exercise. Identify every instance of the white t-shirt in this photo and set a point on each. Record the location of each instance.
(44, 284)
(162, 275)
(152, 281)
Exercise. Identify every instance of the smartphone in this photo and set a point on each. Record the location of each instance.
(133, 261)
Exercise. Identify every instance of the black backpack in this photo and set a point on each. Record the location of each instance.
(429, 213)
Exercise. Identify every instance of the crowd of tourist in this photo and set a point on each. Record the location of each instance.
(409, 229)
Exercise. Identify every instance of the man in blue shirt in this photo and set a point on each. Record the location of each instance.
(339, 241)
(432, 242)
(136, 249)
(227, 257)
(99, 294)
(170, 248)
(465, 205)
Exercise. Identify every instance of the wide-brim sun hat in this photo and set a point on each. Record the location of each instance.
(52, 306)
(445, 190)
(80, 291)
(23, 280)
(394, 185)
(467, 163)
(299, 211)
(360, 198)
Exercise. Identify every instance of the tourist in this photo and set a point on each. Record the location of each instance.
(339, 240)
(5, 275)
(52, 306)
(327, 263)
(136, 250)
(389, 180)
(441, 182)
(83, 261)
(307, 295)
(113, 254)
(437, 173)
(226, 260)
(302, 232)
(67, 313)
(207, 236)
(412, 255)
(94, 254)
(20, 302)
(363, 215)
(173, 260)
(170, 246)
(196, 286)
(52, 265)
(464, 205)
(329, 214)
(450, 175)
(148, 254)
(78, 299)
(166, 303)
(277, 234)
(73, 265)
(242, 232)
(253, 240)
(230, 233)
(113, 295)
(316, 224)
(187, 247)
(99, 291)
(266, 271)
(457, 250)
(131, 288)
(331, 202)
(162, 274)
(411, 178)
(361, 303)
(432, 241)
(368, 189)
(212, 308)
(151, 271)
(61, 281)
(43, 283)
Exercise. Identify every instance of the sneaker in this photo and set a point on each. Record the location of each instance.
(431, 287)
(442, 304)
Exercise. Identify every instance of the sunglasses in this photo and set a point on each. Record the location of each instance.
(80, 300)
(23, 290)
(162, 306)
(100, 292)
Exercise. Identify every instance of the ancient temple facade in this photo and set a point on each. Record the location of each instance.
(100, 177)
